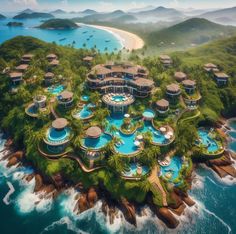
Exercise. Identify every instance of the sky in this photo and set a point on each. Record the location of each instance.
(105, 5)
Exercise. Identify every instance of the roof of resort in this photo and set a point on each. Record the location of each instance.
(88, 58)
(27, 56)
(189, 82)
(179, 76)
(51, 56)
(103, 69)
(173, 88)
(93, 132)
(66, 94)
(15, 74)
(59, 123)
(210, 65)
(22, 67)
(54, 62)
(221, 75)
(49, 75)
(165, 57)
(144, 82)
(162, 103)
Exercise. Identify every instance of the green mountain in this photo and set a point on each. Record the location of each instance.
(58, 24)
(189, 33)
(33, 15)
(58, 11)
(2, 16)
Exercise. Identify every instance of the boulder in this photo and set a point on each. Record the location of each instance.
(167, 217)
(83, 203)
(19, 155)
(129, 211)
(189, 201)
(12, 162)
(92, 197)
(29, 177)
(230, 170)
(38, 183)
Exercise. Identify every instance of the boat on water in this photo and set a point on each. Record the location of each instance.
(62, 39)
(107, 41)
(85, 32)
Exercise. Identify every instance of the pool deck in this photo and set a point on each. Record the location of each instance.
(154, 180)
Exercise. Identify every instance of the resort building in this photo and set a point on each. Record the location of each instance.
(93, 132)
(54, 63)
(16, 77)
(51, 57)
(22, 67)
(26, 58)
(88, 59)
(180, 76)
(166, 60)
(210, 67)
(189, 86)
(58, 136)
(48, 78)
(173, 91)
(120, 78)
(40, 101)
(221, 78)
(162, 107)
(66, 99)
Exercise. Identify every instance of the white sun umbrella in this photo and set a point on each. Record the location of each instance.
(137, 143)
(139, 137)
(162, 129)
(167, 136)
(127, 115)
(170, 134)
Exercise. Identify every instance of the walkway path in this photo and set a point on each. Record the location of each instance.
(154, 180)
(52, 109)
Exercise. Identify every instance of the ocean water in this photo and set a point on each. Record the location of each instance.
(104, 41)
(25, 212)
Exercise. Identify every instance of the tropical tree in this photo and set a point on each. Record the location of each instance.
(113, 129)
(116, 163)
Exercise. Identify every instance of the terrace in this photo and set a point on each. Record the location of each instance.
(65, 99)
(162, 107)
(221, 78)
(49, 78)
(210, 67)
(16, 77)
(26, 58)
(22, 67)
(173, 91)
(166, 60)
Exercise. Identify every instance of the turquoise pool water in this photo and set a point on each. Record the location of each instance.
(232, 146)
(150, 114)
(55, 90)
(97, 143)
(32, 109)
(174, 168)
(133, 170)
(118, 98)
(232, 124)
(56, 136)
(84, 113)
(127, 145)
(207, 141)
(85, 98)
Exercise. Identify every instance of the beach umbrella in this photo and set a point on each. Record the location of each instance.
(137, 143)
(162, 129)
(170, 134)
(126, 115)
(139, 137)
(167, 136)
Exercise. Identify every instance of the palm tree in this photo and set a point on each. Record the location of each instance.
(116, 163)
(145, 186)
(113, 129)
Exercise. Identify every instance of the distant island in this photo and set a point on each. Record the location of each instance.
(58, 24)
(2, 16)
(33, 15)
(14, 24)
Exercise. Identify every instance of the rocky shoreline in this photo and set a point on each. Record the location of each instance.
(87, 198)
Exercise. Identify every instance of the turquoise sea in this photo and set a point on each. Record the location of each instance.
(90, 36)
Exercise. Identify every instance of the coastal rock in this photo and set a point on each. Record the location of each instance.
(92, 197)
(9, 143)
(29, 177)
(12, 162)
(185, 197)
(178, 206)
(189, 201)
(19, 155)
(167, 217)
(129, 211)
(38, 183)
(82, 203)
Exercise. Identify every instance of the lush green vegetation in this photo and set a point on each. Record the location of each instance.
(28, 132)
(58, 24)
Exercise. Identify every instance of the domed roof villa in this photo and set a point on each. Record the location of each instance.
(93, 132)
(180, 76)
(57, 136)
(210, 67)
(65, 99)
(51, 57)
(26, 58)
(166, 60)
(221, 78)
(22, 67)
(189, 86)
(173, 91)
(48, 78)
(122, 81)
(16, 77)
(162, 106)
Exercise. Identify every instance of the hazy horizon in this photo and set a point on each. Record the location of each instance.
(104, 5)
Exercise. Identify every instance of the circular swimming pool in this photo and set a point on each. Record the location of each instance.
(148, 114)
(85, 98)
(55, 90)
(56, 136)
(118, 98)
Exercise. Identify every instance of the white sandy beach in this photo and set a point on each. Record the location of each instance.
(129, 40)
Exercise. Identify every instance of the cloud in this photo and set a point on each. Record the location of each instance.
(27, 3)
